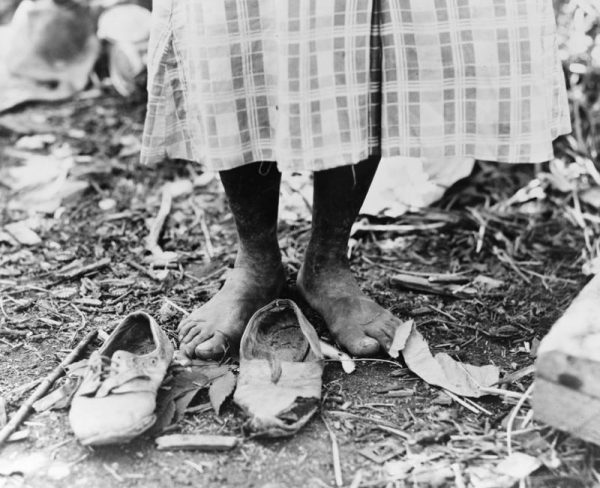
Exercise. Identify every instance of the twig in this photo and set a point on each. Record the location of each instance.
(141, 269)
(502, 392)
(5, 331)
(159, 222)
(75, 273)
(175, 306)
(503, 256)
(113, 473)
(459, 400)
(477, 406)
(459, 481)
(397, 228)
(513, 416)
(44, 386)
(207, 277)
(2, 308)
(210, 250)
(381, 424)
(335, 452)
(78, 329)
(357, 479)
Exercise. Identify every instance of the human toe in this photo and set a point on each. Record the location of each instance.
(357, 343)
(384, 330)
(192, 340)
(215, 347)
(185, 326)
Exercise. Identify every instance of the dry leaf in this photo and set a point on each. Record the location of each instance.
(23, 233)
(181, 387)
(442, 370)
(591, 196)
(331, 352)
(486, 283)
(221, 389)
(400, 337)
(518, 465)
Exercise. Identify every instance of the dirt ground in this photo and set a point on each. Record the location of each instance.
(533, 248)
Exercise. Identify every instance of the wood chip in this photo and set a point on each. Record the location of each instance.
(196, 442)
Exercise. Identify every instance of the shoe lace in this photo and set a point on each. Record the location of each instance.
(108, 366)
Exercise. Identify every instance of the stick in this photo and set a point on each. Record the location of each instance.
(210, 250)
(159, 222)
(75, 273)
(512, 417)
(196, 442)
(43, 387)
(141, 269)
(335, 452)
(397, 228)
(462, 402)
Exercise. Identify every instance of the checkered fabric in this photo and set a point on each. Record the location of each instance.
(315, 84)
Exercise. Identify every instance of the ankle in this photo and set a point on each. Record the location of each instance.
(325, 256)
(262, 262)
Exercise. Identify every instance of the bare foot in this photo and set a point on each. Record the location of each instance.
(356, 322)
(217, 326)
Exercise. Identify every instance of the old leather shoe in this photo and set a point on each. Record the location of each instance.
(117, 397)
(281, 364)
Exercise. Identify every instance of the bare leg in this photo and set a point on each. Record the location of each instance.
(325, 280)
(258, 276)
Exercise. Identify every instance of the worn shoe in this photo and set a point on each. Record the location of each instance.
(281, 364)
(117, 397)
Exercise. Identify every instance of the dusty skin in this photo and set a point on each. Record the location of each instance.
(326, 282)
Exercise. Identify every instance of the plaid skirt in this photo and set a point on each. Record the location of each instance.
(315, 84)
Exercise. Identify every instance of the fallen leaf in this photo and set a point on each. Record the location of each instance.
(35, 142)
(486, 283)
(179, 188)
(6, 238)
(591, 196)
(518, 465)
(441, 370)
(60, 397)
(107, 204)
(487, 477)
(400, 337)
(66, 292)
(331, 352)
(24, 464)
(204, 179)
(23, 233)
(221, 389)
(176, 393)
(181, 387)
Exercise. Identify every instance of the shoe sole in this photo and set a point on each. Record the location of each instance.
(119, 437)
